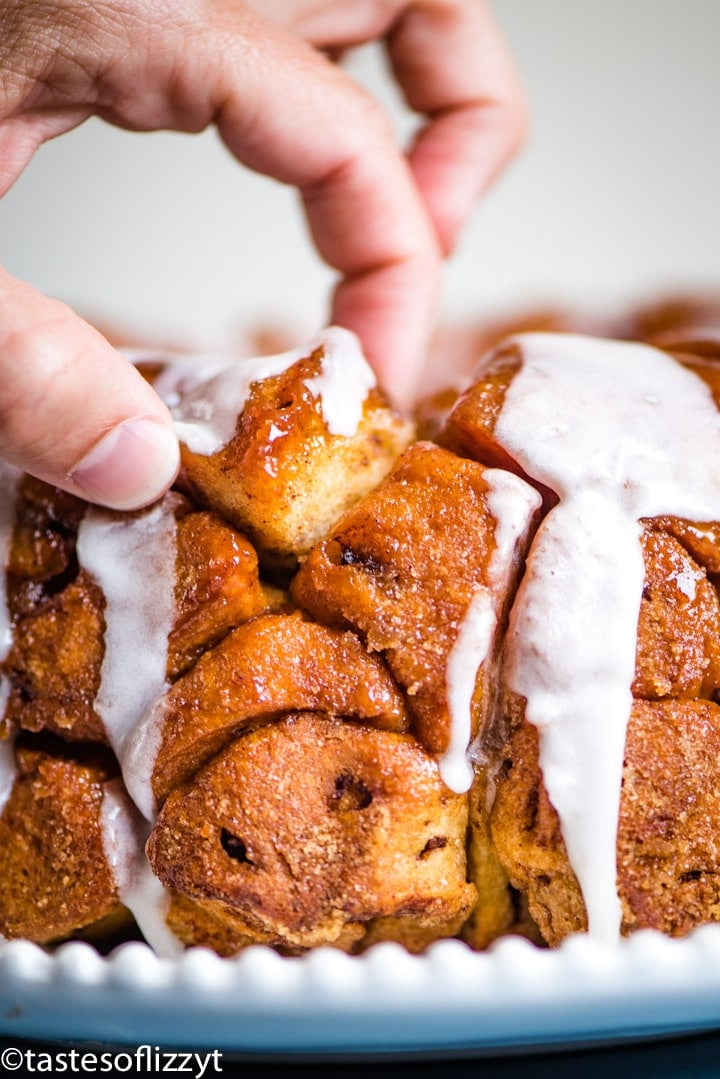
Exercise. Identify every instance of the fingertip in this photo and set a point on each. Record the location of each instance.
(131, 466)
(392, 311)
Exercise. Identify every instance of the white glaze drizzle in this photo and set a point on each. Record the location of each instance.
(8, 771)
(5, 690)
(140, 754)
(467, 655)
(344, 381)
(206, 393)
(132, 559)
(512, 503)
(619, 431)
(687, 582)
(124, 834)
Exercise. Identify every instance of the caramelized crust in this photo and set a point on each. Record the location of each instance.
(401, 567)
(42, 551)
(700, 539)
(296, 808)
(284, 478)
(494, 912)
(678, 649)
(668, 846)
(217, 587)
(302, 832)
(56, 878)
(470, 426)
(471, 423)
(199, 926)
(55, 662)
(271, 665)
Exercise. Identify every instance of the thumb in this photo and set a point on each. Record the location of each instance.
(73, 411)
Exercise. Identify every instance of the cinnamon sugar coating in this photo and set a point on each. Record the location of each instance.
(217, 587)
(400, 569)
(284, 477)
(470, 427)
(273, 664)
(678, 649)
(56, 879)
(296, 751)
(668, 847)
(306, 831)
(54, 664)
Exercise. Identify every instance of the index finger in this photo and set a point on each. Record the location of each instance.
(285, 110)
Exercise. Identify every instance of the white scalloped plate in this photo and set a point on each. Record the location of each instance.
(449, 1000)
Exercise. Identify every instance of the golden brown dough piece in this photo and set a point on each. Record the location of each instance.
(303, 832)
(56, 611)
(456, 350)
(54, 664)
(677, 315)
(55, 877)
(667, 852)
(57, 608)
(470, 427)
(401, 568)
(42, 551)
(271, 665)
(700, 539)
(283, 477)
(668, 846)
(199, 926)
(678, 649)
(217, 587)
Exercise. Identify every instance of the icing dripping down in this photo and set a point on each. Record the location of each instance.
(132, 559)
(513, 503)
(124, 836)
(141, 753)
(606, 425)
(8, 772)
(206, 393)
(344, 381)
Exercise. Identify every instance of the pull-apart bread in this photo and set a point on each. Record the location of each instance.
(342, 686)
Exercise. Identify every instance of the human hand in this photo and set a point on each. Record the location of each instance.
(72, 411)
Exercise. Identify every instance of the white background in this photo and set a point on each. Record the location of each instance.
(614, 199)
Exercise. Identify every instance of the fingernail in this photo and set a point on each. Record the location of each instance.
(130, 467)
